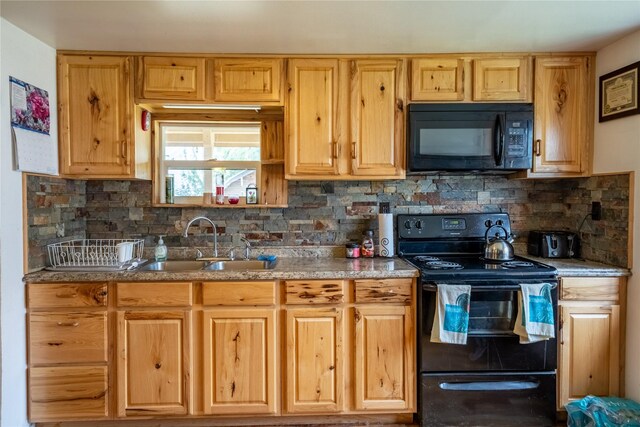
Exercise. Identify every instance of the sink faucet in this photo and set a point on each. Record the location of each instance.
(215, 232)
(237, 239)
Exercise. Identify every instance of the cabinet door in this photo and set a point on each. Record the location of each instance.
(239, 361)
(154, 362)
(384, 358)
(562, 112)
(68, 392)
(437, 79)
(315, 379)
(377, 118)
(250, 80)
(95, 105)
(316, 122)
(589, 352)
(173, 78)
(501, 79)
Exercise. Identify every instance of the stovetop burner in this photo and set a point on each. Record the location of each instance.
(517, 264)
(427, 258)
(442, 265)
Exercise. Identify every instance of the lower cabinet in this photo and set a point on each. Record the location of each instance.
(153, 362)
(315, 379)
(134, 350)
(591, 336)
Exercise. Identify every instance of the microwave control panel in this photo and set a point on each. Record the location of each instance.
(517, 139)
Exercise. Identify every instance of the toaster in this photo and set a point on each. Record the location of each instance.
(553, 244)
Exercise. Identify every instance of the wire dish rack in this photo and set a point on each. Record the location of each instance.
(98, 254)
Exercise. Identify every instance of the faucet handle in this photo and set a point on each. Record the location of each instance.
(199, 254)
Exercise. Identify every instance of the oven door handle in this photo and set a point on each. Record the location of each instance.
(433, 288)
(490, 385)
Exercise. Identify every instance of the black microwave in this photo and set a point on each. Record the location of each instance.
(470, 137)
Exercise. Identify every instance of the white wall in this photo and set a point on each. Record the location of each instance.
(30, 60)
(617, 149)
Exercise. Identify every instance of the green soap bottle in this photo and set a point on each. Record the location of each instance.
(161, 250)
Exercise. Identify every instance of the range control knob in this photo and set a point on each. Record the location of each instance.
(407, 224)
(418, 224)
(499, 222)
(488, 223)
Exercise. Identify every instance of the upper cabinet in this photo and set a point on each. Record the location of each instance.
(96, 119)
(471, 79)
(247, 80)
(437, 79)
(345, 119)
(501, 79)
(563, 111)
(200, 80)
(167, 78)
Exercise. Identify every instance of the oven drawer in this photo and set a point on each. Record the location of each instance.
(525, 399)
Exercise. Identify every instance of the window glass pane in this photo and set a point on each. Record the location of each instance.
(221, 141)
(189, 183)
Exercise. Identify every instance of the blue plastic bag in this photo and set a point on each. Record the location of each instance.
(593, 411)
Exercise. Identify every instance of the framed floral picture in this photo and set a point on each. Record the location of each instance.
(619, 91)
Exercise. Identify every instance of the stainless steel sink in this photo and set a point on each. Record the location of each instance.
(240, 264)
(174, 265)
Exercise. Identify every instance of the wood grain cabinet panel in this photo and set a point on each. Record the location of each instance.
(66, 295)
(501, 79)
(239, 361)
(314, 356)
(238, 293)
(95, 116)
(383, 290)
(154, 294)
(377, 118)
(437, 79)
(68, 393)
(154, 362)
(563, 109)
(247, 79)
(590, 345)
(314, 291)
(178, 78)
(67, 337)
(384, 358)
(316, 124)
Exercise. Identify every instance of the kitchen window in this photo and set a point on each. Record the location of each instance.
(197, 154)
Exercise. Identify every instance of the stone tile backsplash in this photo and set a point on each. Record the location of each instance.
(332, 213)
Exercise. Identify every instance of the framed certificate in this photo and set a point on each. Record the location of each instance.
(619, 92)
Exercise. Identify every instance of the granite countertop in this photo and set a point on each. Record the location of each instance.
(286, 268)
(580, 267)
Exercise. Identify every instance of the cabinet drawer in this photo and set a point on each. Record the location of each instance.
(245, 79)
(590, 288)
(173, 78)
(384, 290)
(67, 337)
(72, 295)
(154, 294)
(238, 293)
(69, 392)
(314, 291)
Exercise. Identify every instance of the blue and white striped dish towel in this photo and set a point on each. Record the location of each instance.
(451, 321)
(535, 320)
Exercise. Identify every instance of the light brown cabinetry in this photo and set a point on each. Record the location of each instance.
(483, 78)
(384, 345)
(239, 348)
(314, 358)
(68, 351)
(345, 119)
(591, 344)
(437, 79)
(167, 78)
(501, 79)
(247, 80)
(154, 351)
(563, 112)
(96, 119)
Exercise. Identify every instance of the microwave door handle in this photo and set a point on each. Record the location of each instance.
(498, 140)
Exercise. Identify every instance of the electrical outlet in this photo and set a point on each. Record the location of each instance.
(596, 211)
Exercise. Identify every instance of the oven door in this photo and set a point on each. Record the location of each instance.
(491, 343)
(477, 399)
